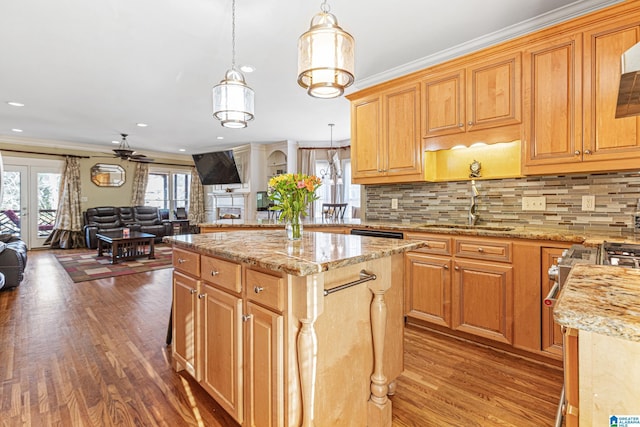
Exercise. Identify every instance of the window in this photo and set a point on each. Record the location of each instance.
(350, 192)
(168, 189)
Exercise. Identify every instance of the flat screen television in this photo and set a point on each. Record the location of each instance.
(216, 168)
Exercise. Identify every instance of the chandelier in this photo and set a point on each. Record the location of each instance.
(232, 99)
(325, 56)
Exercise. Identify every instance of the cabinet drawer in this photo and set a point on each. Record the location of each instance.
(483, 249)
(186, 261)
(438, 245)
(225, 274)
(265, 289)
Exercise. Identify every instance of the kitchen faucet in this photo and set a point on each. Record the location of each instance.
(473, 209)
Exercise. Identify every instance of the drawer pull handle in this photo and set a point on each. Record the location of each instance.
(426, 245)
(193, 291)
(258, 289)
(480, 250)
(181, 261)
(202, 296)
(214, 273)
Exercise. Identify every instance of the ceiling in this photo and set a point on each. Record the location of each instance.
(90, 70)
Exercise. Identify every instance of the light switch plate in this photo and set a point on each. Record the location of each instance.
(394, 203)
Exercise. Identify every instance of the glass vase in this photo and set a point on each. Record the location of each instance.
(293, 226)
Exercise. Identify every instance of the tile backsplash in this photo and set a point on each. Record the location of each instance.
(500, 201)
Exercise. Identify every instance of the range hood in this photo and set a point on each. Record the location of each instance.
(629, 92)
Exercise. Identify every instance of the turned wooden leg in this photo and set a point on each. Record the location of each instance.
(379, 412)
(307, 362)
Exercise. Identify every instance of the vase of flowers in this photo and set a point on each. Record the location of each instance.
(291, 194)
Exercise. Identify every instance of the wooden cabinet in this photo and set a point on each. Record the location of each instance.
(264, 347)
(221, 343)
(184, 319)
(482, 299)
(385, 136)
(571, 90)
(551, 332)
(483, 95)
(474, 297)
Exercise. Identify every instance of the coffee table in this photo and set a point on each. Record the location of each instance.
(136, 245)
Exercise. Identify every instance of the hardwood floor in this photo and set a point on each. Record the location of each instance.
(94, 354)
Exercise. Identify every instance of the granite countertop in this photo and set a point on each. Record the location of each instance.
(557, 234)
(601, 299)
(314, 253)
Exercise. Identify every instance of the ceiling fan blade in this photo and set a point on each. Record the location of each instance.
(143, 159)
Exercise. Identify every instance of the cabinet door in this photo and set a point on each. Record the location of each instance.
(183, 323)
(493, 93)
(482, 301)
(221, 351)
(401, 152)
(444, 104)
(428, 288)
(365, 134)
(605, 137)
(551, 332)
(553, 102)
(265, 367)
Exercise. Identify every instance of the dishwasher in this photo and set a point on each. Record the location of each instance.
(378, 233)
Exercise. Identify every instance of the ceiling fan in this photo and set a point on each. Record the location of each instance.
(125, 152)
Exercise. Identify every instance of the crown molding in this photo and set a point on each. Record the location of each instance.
(528, 26)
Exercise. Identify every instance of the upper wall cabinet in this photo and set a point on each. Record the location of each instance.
(385, 136)
(483, 95)
(571, 86)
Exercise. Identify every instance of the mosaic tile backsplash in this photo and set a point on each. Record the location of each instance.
(500, 201)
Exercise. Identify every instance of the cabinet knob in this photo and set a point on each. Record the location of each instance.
(193, 291)
(202, 296)
(460, 125)
(470, 123)
(480, 250)
(246, 317)
(214, 273)
(258, 289)
(456, 268)
(181, 261)
(577, 152)
(446, 267)
(587, 151)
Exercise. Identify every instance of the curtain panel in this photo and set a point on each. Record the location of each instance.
(67, 229)
(140, 179)
(196, 200)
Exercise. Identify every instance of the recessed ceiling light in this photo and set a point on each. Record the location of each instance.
(220, 137)
(15, 104)
(182, 149)
(247, 69)
(142, 125)
(17, 130)
(115, 142)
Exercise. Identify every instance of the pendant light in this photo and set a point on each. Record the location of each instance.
(232, 98)
(325, 56)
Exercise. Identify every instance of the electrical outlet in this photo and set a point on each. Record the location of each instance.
(534, 203)
(84, 199)
(589, 203)
(394, 203)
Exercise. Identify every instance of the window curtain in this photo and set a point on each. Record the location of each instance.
(196, 200)
(140, 179)
(307, 165)
(67, 229)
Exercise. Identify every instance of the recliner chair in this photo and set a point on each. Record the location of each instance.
(148, 219)
(13, 260)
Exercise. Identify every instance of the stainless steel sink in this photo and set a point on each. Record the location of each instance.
(467, 227)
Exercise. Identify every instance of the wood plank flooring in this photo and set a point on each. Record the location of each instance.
(94, 354)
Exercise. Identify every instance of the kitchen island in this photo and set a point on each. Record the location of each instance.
(291, 333)
(600, 305)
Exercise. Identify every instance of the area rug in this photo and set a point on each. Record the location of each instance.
(85, 266)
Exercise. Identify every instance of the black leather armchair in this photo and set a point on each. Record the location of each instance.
(105, 218)
(148, 219)
(13, 260)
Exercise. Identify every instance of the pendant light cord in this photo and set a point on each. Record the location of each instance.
(233, 34)
(325, 7)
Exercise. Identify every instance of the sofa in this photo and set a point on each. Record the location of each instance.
(13, 260)
(145, 219)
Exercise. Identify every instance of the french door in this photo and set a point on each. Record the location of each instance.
(30, 198)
